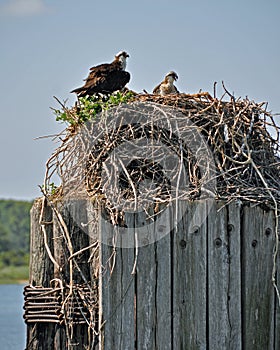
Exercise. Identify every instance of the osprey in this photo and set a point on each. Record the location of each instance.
(106, 77)
(166, 86)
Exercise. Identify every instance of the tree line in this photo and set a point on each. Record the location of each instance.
(14, 232)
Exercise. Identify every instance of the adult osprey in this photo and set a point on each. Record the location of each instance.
(106, 77)
(166, 87)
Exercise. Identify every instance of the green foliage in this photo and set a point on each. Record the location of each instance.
(5, 243)
(50, 188)
(15, 223)
(14, 257)
(88, 107)
(13, 274)
(14, 240)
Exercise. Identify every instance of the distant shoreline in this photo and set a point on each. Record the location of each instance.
(12, 281)
(14, 274)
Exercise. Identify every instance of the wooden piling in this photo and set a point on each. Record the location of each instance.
(206, 284)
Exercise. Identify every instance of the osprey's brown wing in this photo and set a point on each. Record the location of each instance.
(105, 78)
(157, 89)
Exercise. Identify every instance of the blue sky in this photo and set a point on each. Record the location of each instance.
(48, 46)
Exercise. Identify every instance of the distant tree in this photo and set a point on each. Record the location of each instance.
(15, 223)
(5, 243)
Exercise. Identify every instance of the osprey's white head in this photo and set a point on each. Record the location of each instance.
(171, 76)
(121, 57)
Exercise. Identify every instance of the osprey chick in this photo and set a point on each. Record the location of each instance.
(106, 77)
(166, 87)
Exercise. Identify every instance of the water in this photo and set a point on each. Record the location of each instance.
(12, 326)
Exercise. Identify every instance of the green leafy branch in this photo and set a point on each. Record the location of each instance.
(50, 189)
(89, 106)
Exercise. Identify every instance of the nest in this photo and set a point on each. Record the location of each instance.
(244, 141)
(234, 157)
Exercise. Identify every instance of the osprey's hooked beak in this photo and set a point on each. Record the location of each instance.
(122, 53)
(173, 75)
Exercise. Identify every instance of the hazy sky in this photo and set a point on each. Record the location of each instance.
(48, 46)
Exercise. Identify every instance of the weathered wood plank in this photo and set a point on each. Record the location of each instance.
(224, 276)
(61, 252)
(40, 336)
(163, 336)
(61, 272)
(218, 277)
(277, 301)
(59, 338)
(153, 295)
(269, 235)
(146, 288)
(116, 293)
(189, 278)
(234, 302)
(106, 305)
(127, 300)
(127, 292)
(74, 214)
(257, 290)
(41, 267)
(93, 231)
(93, 228)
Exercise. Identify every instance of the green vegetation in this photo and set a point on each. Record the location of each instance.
(14, 240)
(50, 189)
(14, 274)
(88, 107)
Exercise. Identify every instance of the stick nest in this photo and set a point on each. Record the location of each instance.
(241, 136)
